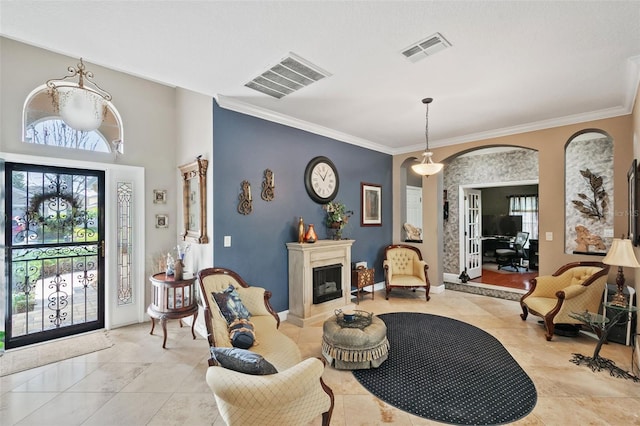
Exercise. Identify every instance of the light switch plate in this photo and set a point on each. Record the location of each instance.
(227, 240)
(549, 236)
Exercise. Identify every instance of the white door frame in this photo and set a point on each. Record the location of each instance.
(115, 316)
(461, 212)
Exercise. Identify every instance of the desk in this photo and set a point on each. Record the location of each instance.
(491, 243)
(172, 299)
(602, 325)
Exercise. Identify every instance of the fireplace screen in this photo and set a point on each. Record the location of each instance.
(327, 283)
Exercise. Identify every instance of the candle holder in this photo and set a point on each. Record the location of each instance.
(245, 205)
(268, 186)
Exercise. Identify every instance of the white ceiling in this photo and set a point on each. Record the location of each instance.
(513, 66)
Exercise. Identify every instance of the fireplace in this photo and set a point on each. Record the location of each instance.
(327, 283)
(319, 280)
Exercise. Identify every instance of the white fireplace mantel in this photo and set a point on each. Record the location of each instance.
(303, 257)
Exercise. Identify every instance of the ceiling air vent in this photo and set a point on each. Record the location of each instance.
(291, 74)
(427, 47)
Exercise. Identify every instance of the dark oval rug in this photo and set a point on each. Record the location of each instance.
(449, 371)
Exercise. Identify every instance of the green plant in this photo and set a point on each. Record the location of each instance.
(337, 217)
(19, 302)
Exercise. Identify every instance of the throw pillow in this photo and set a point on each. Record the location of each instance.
(231, 305)
(242, 334)
(242, 360)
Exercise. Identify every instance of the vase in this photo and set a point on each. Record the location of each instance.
(178, 270)
(301, 231)
(310, 236)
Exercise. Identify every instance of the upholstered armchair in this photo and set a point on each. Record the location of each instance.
(404, 268)
(295, 394)
(575, 287)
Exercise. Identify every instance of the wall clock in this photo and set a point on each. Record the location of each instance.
(321, 180)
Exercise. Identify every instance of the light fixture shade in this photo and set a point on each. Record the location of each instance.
(621, 254)
(427, 167)
(79, 108)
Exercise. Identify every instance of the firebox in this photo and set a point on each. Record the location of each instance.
(327, 283)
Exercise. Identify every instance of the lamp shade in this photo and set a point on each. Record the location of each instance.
(81, 109)
(427, 167)
(621, 254)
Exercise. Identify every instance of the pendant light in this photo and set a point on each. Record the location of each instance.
(82, 107)
(427, 167)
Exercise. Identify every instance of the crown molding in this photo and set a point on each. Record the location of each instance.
(233, 104)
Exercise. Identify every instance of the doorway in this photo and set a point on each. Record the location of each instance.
(55, 252)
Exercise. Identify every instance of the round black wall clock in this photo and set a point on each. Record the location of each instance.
(321, 180)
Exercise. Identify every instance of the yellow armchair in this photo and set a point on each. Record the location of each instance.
(404, 268)
(575, 287)
(296, 394)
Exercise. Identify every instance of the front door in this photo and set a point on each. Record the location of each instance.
(55, 252)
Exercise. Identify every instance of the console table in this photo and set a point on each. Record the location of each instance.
(172, 299)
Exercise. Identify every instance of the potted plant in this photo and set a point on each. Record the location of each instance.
(337, 217)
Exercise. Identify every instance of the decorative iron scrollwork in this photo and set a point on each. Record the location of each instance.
(245, 205)
(268, 186)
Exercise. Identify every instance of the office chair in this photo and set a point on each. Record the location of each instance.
(513, 256)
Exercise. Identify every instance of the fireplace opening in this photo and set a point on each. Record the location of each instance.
(327, 283)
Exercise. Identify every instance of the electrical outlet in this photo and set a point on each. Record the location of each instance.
(227, 240)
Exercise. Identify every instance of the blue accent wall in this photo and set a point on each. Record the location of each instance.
(243, 147)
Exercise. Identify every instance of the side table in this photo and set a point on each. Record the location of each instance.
(172, 299)
(602, 325)
(362, 277)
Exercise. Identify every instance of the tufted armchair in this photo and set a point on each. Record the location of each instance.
(296, 394)
(575, 287)
(404, 268)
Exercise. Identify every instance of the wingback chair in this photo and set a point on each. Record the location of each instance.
(404, 268)
(295, 394)
(575, 287)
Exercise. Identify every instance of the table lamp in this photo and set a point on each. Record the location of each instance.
(621, 254)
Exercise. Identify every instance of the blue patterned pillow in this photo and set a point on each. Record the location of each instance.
(230, 305)
(242, 360)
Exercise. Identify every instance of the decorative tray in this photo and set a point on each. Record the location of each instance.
(362, 319)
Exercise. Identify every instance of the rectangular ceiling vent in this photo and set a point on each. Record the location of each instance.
(427, 47)
(291, 74)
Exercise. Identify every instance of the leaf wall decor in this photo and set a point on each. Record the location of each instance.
(594, 204)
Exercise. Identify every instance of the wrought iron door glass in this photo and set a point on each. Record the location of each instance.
(55, 252)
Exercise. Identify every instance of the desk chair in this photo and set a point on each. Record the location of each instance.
(513, 256)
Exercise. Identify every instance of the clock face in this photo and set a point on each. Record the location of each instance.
(321, 180)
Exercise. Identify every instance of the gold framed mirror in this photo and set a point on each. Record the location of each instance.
(194, 201)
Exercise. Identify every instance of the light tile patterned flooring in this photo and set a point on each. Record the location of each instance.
(136, 382)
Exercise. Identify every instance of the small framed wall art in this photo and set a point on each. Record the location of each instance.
(371, 204)
(162, 221)
(160, 196)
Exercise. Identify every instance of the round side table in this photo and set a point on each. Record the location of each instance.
(172, 299)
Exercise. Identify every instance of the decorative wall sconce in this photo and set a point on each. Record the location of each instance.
(245, 206)
(268, 185)
(81, 107)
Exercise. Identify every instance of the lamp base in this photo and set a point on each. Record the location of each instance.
(619, 299)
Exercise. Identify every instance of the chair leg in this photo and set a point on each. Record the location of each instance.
(525, 313)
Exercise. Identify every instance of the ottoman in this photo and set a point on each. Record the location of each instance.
(355, 348)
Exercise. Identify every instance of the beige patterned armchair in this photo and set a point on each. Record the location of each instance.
(404, 268)
(296, 394)
(575, 287)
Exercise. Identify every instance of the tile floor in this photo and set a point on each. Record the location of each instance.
(136, 382)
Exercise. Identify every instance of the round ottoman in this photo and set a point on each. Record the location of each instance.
(354, 348)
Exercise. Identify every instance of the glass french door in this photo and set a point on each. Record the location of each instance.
(472, 233)
(54, 239)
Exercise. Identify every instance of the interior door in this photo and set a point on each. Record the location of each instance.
(414, 206)
(473, 232)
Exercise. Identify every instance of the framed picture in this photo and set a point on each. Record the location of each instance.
(371, 203)
(160, 196)
(162, 221)
(632, 179)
